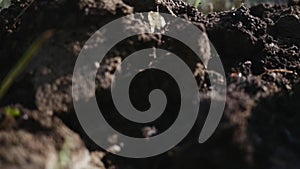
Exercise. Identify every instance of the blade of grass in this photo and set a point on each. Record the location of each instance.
(23, 62)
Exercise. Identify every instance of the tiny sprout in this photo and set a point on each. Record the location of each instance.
(195, 3)
(4, 4)
(13, 112)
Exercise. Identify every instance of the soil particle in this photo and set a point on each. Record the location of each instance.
(287, 29)
(283, 23)
(236, 30)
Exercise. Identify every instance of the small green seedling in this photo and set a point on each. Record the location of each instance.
(13, 112)
(4, 4)
(195, 3)
(64, 156)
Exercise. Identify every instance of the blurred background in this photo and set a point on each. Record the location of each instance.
(207, 6)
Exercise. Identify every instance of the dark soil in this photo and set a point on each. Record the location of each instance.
(259, 47)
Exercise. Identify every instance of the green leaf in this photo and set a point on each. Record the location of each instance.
(195, 3)
(10, 111)
(5, 4)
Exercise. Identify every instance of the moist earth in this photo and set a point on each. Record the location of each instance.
(258, 46)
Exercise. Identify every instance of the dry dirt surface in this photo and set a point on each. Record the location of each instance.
(259, 47)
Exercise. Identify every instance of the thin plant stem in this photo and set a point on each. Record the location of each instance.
(23, 62)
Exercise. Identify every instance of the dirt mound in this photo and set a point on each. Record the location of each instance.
(34, 139)
(259, 47)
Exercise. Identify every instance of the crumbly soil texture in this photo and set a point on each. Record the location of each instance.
(259, 48)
